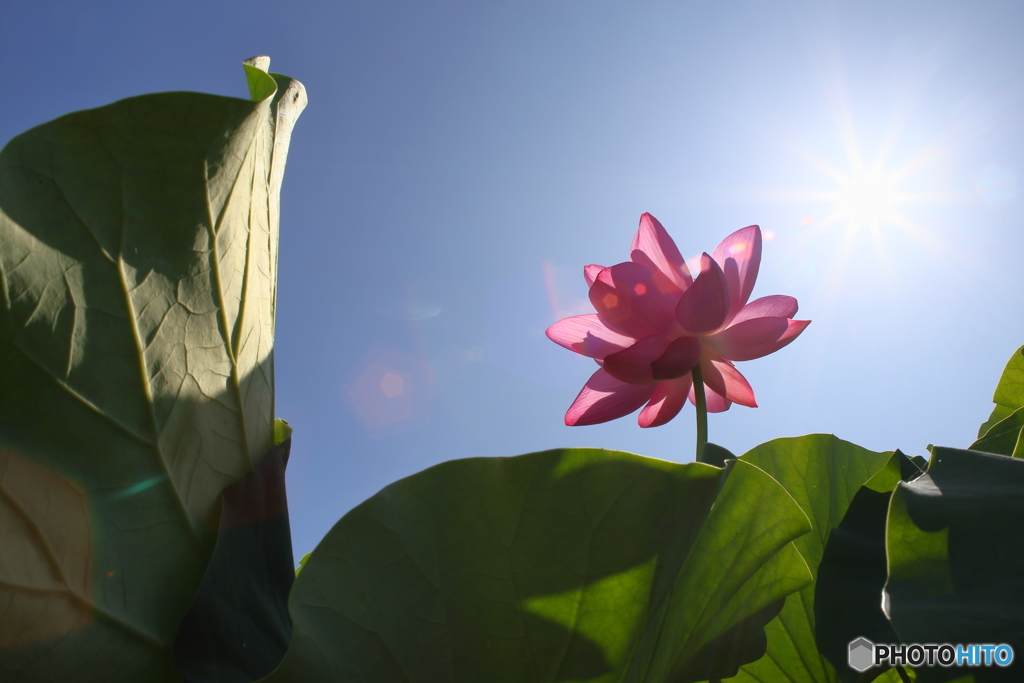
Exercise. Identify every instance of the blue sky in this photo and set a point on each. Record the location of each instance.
(459, 163)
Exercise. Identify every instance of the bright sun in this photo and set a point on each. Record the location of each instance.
(866, 197)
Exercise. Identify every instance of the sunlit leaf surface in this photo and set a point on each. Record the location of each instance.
(565, 565)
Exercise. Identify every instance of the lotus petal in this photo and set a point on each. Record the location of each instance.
(678, 359)
(739, 255)
(654, 248)
(755, 338)
(633, 365)
(704, 306)
(591, 272)
(716, 403)
(666, 403)
(724, 379)
(629, 301)
(775, 306)
(605, 398)
(587, 335)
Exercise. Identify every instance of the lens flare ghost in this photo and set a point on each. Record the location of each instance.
(388, 392)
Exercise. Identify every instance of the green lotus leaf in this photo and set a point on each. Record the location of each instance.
(138, 257)
(1009, 395)
(565, 565)
(1003, 437)
(823, 474)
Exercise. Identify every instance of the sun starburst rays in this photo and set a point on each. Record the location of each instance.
(867, 201)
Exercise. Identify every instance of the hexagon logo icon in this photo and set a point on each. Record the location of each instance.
(862, 654)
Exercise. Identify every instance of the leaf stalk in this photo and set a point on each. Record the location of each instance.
(702, 410)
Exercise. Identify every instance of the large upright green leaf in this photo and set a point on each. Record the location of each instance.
(137, 281)
(566, 565)
(823, 474)
(956, 558)
(1009, 395)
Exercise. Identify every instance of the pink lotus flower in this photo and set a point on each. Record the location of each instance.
(655, 323)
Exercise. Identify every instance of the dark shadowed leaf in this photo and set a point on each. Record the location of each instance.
(956, 558)
(853, 570)
(138, 248)
(566, 565)
(716, 455)
(238, 628)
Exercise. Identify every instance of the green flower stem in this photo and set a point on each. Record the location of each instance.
(702, 410)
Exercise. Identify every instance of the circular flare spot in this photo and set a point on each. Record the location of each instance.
(392, 385)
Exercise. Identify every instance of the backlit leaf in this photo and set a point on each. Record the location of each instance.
(138, 247)
(823, 474)
(1009, 395)
(566, 565)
